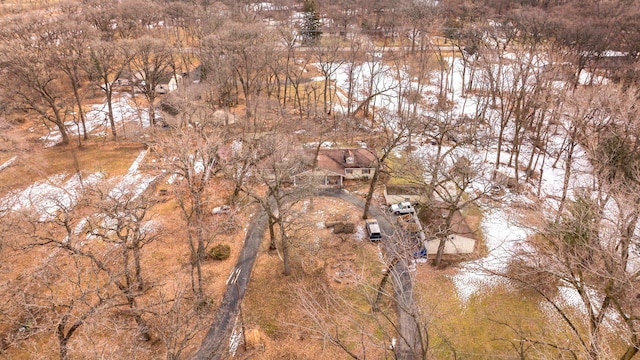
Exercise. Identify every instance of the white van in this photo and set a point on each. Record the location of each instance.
(373, 229)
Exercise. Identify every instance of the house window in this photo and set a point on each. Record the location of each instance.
(348, 171)
(366, 171)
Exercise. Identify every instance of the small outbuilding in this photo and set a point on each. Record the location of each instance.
(454, 245)
(397, 193)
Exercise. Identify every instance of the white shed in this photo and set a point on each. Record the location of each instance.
(455, 244)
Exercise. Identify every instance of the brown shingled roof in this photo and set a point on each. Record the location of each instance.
(336, 159)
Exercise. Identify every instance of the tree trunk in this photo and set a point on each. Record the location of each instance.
(76, 94)
(500, 135)
(112, 121)
(63, 132)
(383, 282)
(372, 188)
(64, 351)
(632, 350)
(59, 121)
(567, 174)
(324, 92)
(285, 250)
(62, 340)
(444, 233)
(272, 234)
(143, 328)
(196, 265)
(152, 111)
(138, 268)
(199, 213)
(442, 242)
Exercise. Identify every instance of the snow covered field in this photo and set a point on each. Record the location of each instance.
(97, 121)
(49, 196)
(62, 192)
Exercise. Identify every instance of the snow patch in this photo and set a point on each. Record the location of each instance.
(8, 163)
(134, 182)
(49, 196)
(501, 236)
(97, 120)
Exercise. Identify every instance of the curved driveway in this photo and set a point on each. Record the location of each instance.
(214, 343)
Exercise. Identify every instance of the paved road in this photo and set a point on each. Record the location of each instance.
(408, 346)
(216, 340)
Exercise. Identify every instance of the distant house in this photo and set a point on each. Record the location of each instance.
(333, 166)
(192, 77)
(168, 83)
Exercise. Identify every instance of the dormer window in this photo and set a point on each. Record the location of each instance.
(348, 158)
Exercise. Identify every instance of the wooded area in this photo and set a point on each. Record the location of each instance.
(522, 109)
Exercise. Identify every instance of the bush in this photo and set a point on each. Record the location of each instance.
(220, 252)
(344, 228)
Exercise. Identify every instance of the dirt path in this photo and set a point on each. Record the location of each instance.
(216, 339)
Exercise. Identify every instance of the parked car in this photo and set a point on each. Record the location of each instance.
(404, 207)
(373, 229)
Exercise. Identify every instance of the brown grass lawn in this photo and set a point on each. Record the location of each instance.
(342, 263)
(110, 157)
(165, 262)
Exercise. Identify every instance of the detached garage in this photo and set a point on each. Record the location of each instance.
(416, 194)
(455, 244)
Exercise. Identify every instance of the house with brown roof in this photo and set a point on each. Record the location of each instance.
(333, 166)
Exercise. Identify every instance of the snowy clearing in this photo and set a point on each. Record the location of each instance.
(97, 121)
(61, 193)
(49, 196)
(133, 183)
(502, 236)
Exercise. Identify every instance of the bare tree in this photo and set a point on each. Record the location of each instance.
(456, 193)
(153, 63)
(177, 320)
(134, 18)
(192, 156)
(394, 133)
(99, 14)
(107, 62)
(401, 327)
(329, 60)
(586, 250)
(123, 220)
(107, 272)
(270, 185)
(46, 309)
(576, 255)
(71, 57)
(241, 48)
(36, 82)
